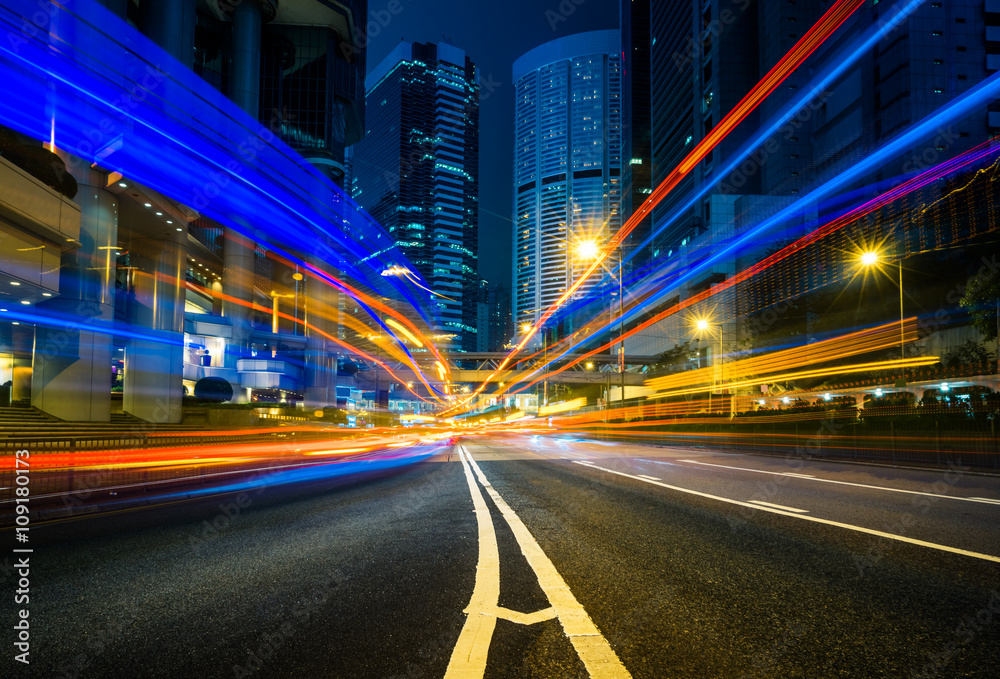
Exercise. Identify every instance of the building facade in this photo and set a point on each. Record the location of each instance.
(567, 164)
(417, 173)
(637, 164)
(941, 50)
(211, 303)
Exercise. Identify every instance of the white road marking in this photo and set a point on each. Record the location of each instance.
(771, 504)
(651, 478)
(468, 660)
(840, 483)
(985, 499)
(814, 519)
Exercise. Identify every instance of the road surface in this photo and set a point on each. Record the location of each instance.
(525, 557)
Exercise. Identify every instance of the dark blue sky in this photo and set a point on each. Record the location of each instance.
(493, 34)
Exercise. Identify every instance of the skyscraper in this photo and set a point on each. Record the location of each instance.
(417, 173)
(567, 163)
(637, 168)
(941, 50)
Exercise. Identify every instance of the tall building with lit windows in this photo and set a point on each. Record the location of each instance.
(567, 163)
(417, 173)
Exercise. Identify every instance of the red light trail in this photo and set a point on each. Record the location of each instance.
(814, 37)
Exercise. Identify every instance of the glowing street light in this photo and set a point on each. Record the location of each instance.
(587, 250)
(703, 325)
(870, 258)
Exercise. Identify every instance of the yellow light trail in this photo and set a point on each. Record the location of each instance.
(756, 370)
(824, 372)
(406, 333)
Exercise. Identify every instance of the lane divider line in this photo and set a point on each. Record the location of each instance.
(806, 517)
(647, 476)
(468, 658)
(840, 483)
(593, 649)
(771, 504)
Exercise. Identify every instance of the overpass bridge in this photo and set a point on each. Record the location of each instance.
(479, 367)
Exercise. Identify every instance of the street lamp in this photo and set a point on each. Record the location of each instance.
(872, 258)
(589, 250)
(703, 325)
(275, 314)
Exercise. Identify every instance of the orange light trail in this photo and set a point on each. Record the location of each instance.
(806, 240)
(757, 368)
(814, 37)
(801, 374)
(353, 349)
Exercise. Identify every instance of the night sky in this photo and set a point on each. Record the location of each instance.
(493, 34)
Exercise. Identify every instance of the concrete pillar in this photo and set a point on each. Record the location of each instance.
(244, 84)
(237, 251)
(170, 24)
(154, 385)
(71, 367)
(321, 316)
(22, 344)
(237, 283)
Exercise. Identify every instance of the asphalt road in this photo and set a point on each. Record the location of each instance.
(635, 561)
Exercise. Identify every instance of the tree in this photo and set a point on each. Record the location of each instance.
(213, 389)
(980, 299)
(680, 354)
(970, 353)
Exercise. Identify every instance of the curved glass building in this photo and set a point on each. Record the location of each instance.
(567, 163)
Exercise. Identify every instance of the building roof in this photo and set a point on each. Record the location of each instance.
(577, 45)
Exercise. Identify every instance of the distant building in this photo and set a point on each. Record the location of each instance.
(567, 163)
(501, 325)
(417, 173)
(483, 316)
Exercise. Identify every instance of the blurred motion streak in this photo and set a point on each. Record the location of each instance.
(828, 23)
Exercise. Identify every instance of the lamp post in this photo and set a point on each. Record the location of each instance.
(871, 258)
(621, 320)
(298, 278)
(589, 250)
(545, 359)
(703, 325)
